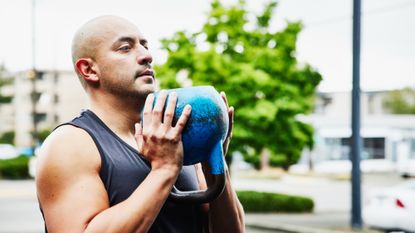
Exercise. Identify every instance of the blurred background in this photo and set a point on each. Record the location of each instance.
(285, 65)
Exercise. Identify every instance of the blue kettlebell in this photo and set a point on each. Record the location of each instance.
(202, 138)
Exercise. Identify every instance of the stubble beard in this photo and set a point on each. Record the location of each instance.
(135, 91)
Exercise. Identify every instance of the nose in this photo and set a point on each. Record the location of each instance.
(144, 57)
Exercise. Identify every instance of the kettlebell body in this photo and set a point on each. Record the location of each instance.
(202, 138)
(207, 127)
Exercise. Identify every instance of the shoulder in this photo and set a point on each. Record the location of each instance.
(67, 179)
(68, 149)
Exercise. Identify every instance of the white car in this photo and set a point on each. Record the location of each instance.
(392, 209)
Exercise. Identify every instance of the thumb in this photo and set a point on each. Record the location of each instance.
(139, 136)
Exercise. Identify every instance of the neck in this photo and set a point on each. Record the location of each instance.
(119, 115)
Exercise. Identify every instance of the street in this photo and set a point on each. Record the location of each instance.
(19, 212)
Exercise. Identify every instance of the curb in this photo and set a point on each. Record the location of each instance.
(292, 228)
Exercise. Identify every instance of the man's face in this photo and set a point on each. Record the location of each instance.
(124, 61)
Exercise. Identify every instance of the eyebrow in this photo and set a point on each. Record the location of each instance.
(130, 40)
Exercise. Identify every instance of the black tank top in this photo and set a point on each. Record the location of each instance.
(123, 169)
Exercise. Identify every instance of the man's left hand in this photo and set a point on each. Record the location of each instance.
(231, 112)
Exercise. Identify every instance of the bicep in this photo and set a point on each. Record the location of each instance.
(69, 188)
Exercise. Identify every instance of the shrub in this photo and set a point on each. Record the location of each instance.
(15, 168)
(264, 202)
(43, 134)
(7, 137)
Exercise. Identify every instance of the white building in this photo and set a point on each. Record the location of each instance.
(60, 97)
(388, 140)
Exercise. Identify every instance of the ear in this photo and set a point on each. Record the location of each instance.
(86, 68)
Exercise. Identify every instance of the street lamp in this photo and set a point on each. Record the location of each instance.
(33, 75)
(356, 144)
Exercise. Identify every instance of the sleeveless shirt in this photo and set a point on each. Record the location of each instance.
(123, 169)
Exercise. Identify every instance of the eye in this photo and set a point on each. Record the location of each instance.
(125, 48)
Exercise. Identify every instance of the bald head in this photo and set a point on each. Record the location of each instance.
(95, 34)
(88, 38)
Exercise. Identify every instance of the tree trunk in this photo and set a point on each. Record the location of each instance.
(264, 160)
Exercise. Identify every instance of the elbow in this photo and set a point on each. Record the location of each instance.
(241, 219)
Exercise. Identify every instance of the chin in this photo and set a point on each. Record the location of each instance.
(147, 89)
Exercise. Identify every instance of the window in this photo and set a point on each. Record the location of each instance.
(373, 148)
(40, 117)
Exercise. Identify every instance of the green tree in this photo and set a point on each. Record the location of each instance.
(259, 72)
(400, 101)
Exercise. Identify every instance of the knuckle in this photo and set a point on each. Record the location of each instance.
(181, 123)
(172, 136)
(168, 114)
(157, 112)
(145, 137)
(163, 138)
(176, 139)
(153, 137)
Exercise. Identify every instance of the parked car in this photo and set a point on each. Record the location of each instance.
(8, 151)
(407, 169)
(392, 209)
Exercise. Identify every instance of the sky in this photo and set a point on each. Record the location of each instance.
(388, 34)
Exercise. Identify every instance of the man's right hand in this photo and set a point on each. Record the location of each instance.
(158, 141)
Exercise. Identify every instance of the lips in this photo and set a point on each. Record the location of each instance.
(146, 72)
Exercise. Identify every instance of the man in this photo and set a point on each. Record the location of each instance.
(103, 171)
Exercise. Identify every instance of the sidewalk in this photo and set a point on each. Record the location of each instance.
(330, 222)
(332, 198)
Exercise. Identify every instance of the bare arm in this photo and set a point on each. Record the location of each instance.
(225, 214)
(72, 194)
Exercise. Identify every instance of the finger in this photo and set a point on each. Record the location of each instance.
(183, 119)
(148, 106)
(158, 108)
(231, 117)
(222, 93)
(139, 137)
(171, 106)
(138, 130)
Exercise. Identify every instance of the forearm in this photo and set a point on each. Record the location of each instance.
(226, 213)
(138, 212)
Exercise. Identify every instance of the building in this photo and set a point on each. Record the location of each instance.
(388, 139)
(6, 109)
(59, 97)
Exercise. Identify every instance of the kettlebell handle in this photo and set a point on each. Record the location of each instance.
(200, 196)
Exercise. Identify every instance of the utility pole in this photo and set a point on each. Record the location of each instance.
(33, 77)
(356, 142)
